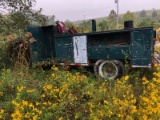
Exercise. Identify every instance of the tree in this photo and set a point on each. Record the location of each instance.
(154, 14)
(143, 23)
(69, 24)
(103, 25)
(142, 13)
(128, 16)
(16, 5)
(112, 20)
(86, 26)
(16, 15)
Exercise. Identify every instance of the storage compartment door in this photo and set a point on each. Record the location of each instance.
(80, 49)
(64, 49)
(141, 48)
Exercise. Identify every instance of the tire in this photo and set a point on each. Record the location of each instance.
(120, 67)
(108, 69)
(96, 67)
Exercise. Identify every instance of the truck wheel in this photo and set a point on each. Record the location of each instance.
(96, 67)
(108, 69)
(120, 67)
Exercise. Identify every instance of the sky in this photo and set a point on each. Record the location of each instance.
(74, 10)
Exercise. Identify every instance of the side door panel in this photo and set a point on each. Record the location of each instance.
(80, 49)
(64, 49)
(141, 48)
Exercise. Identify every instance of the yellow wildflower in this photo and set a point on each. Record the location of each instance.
(30, 91)
(145, 82)
(31, 105)
(60, 118)
(145, 99)
(53, 75)
(55, 68)
(1, 93)
(16, 114)
(54, 105)
(43, 95)
(44, 103)
(40, 112)
(24, 102)
(35, 117)
(56, 90)
(145, 117)
(47, 87)
(105, 102)
(133, 109)
(20, 88)
(126, 77)
(1, 111)
(37, 103)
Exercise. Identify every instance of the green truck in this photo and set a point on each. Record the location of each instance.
(106, 51)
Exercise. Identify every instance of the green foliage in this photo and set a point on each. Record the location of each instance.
(112, 15)
(143, 23)
(4, 60)
(112, 20)
(86, 26)
(15, 51)
(135, 16)
(69, 24)
(16, 23)
(147, 22)
(16, 5)
(103, 25)
(19, 14)
(142, 13)
(128, 16)
(154, 14)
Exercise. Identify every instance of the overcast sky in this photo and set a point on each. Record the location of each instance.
(87, 9)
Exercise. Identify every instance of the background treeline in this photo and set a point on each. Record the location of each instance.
(15, 16)
(141, 19)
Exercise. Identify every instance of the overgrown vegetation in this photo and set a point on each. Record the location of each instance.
(16, 15)
(29, 93)
(62, 95)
